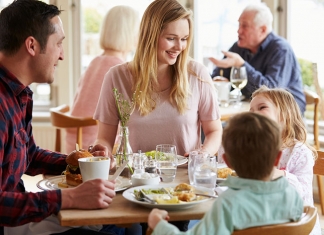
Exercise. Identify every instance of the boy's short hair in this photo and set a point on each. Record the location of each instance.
(251, 143)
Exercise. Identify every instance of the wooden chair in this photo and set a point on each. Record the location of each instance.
(301, 227)
(61, 119)
(319, 172)
(313, 99)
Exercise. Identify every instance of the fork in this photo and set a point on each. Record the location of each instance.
(167, 192)
(141, 197)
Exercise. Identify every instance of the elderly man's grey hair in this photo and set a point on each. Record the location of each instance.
(263, 15)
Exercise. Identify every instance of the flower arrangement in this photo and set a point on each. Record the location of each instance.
(125, 108)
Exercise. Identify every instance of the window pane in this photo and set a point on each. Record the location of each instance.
(93, 12)
(307, 32)
(217, 27)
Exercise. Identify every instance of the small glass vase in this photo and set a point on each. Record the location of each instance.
(124, 152)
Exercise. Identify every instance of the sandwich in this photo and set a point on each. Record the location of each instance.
(72, 172)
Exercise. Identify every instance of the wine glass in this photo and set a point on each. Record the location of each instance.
(239, 80)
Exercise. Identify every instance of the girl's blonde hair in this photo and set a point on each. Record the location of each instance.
(119, 30)
(289, 113)
(145, 64)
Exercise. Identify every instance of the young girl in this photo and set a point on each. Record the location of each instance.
(297, 160)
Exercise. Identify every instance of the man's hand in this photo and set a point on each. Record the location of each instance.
(232, 60)
(96, 193)
(155, 216)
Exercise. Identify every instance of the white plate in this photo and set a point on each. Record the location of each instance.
(182, 160)
(52, 183)
(128, 194)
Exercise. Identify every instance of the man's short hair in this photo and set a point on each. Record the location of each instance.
(24, 18)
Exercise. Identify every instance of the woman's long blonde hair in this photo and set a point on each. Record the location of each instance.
(293, 127)
(144, 67)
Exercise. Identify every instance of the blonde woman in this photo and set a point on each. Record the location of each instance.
(118, 37)
(174, 94)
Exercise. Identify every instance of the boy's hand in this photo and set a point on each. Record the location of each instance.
(155, 216)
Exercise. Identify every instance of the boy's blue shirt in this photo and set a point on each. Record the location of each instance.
(246, 203)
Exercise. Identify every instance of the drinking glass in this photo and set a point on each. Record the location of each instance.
(205, 172)
(195, 155)
(166, 161)
(239, 80)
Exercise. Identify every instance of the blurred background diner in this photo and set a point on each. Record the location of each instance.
(118, 38)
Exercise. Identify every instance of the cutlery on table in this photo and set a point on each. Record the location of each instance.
(119, 170)
(142, 194)
(206, 195)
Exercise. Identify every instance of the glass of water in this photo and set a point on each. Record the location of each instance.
(205, 172)
(198, 155)
(166, 161)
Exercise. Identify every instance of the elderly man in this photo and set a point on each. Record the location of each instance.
(268, 58)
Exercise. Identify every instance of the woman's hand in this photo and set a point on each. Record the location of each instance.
(100, 150)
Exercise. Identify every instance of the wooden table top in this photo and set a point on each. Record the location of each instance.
(124, 212)
(230, 111)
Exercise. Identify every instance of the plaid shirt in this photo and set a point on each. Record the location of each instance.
(19, 155)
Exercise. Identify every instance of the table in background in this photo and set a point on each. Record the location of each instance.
(230, 111)
(123, 212)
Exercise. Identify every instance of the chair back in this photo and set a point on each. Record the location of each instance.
(313, 99)
(303, 226)
(60, 118)
(318, 168)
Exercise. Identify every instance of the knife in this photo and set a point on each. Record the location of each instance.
(119, 170)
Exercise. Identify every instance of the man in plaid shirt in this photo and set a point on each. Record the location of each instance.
(31, 36)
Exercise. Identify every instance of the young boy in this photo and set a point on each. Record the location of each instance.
(252, 148)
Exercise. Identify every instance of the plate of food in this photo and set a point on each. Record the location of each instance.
(223, 171)
(59, 182)
(181, 159)
(169, 196)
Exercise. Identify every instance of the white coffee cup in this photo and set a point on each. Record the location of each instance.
(94, 168)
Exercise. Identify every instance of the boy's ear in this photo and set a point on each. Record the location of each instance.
(226, 161)
(278, 158)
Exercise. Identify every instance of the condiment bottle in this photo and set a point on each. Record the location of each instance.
(150, 165)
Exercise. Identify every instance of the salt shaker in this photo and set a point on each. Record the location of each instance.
(150, 165)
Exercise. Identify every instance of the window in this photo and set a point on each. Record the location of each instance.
(42, 92)
(216, 24)
(306, 31)
(92, 14)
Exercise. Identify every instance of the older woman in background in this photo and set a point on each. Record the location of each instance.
(118, 38)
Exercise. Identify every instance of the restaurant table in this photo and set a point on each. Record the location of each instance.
(123, 212)
(231, 110)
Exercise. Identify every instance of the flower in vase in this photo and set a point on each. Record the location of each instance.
(125, 108)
